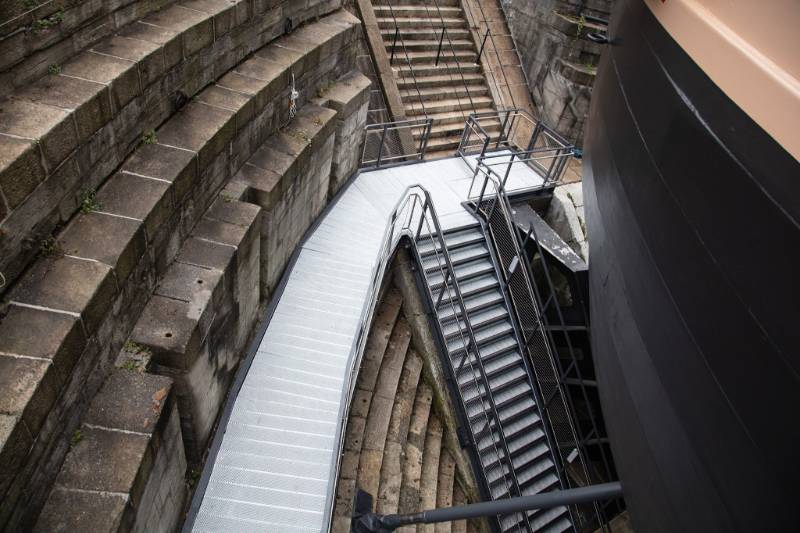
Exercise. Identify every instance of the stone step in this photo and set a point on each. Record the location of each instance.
(444, 488)
(415, 445)
(298, 157)
(458, 526)
(432, 45)
(470, 78)
(391, 474)
(424, 33)
(125, 469)
(95, 107)
(383, 324)
(444, 92)
(420, 22)
(443, 144)
(428, 57)
(202, 293)
(94, 278)
(429, 476)
(423, 11)
(418, 2)
(53, 32)
(452, 130)
(404, 70)
(463, 105)
(380, 410)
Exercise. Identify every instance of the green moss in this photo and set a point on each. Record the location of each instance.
(54, 69)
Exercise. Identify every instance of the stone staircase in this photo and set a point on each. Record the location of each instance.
(152, 189)
(447, 91)
(394, 446)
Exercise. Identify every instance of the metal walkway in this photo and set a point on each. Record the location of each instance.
(276, 463)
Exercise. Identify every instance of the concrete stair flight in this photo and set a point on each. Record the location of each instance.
(442, 82)
(519, 421)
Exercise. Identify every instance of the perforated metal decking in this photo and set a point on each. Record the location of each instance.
(275, 464)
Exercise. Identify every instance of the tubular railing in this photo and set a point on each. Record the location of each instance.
(414, 216)
(446, 34)
(490, 36)
(383, 145)
(544, 151)
(491, 204)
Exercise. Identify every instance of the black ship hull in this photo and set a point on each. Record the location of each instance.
(692, 213)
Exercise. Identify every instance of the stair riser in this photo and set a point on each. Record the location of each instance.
(450, 90)
(445, 106)
(446, 68)
(386, 23)
(404, 56)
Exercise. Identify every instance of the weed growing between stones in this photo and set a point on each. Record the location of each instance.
(50, 247)
(54, 69)
(46, 23)
(325, 87)
(77, 436)
(300, 135)
(193, 477)
(149, 137)
(89, 201)
(136, 348)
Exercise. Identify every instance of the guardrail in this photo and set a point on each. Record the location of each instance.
(491, 204)
(499, 140)
(384, 142)
(414, 217)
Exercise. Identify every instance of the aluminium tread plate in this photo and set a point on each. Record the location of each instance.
(272, 470)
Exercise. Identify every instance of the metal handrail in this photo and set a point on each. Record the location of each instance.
(487, 204)
(446, 33)
(408, 59)
(402, 222)
(389, 128)
(490, 35)
(544, 144)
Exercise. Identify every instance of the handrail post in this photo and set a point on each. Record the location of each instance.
(439, 51)
(394, 43)
(483, 43)
(380, 148)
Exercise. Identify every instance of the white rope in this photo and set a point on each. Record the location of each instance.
(293, 96)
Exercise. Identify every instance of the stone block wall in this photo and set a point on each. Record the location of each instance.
(567, 217)
(560, 62)
(125, 469)
(143, 255)
(350, 98)
(63, 134)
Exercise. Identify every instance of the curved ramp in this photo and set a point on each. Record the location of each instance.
(276, 463)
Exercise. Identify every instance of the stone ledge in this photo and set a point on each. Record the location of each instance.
(91, 114)
(159, 193)
(109, 474)
(55, 31)
(186, 324)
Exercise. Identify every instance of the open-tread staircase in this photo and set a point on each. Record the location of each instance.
(509, 380)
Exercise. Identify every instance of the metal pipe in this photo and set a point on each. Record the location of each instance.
(483, 43)
(370, 522)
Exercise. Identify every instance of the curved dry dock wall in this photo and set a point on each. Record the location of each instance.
(144, 203)
(559, 60)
